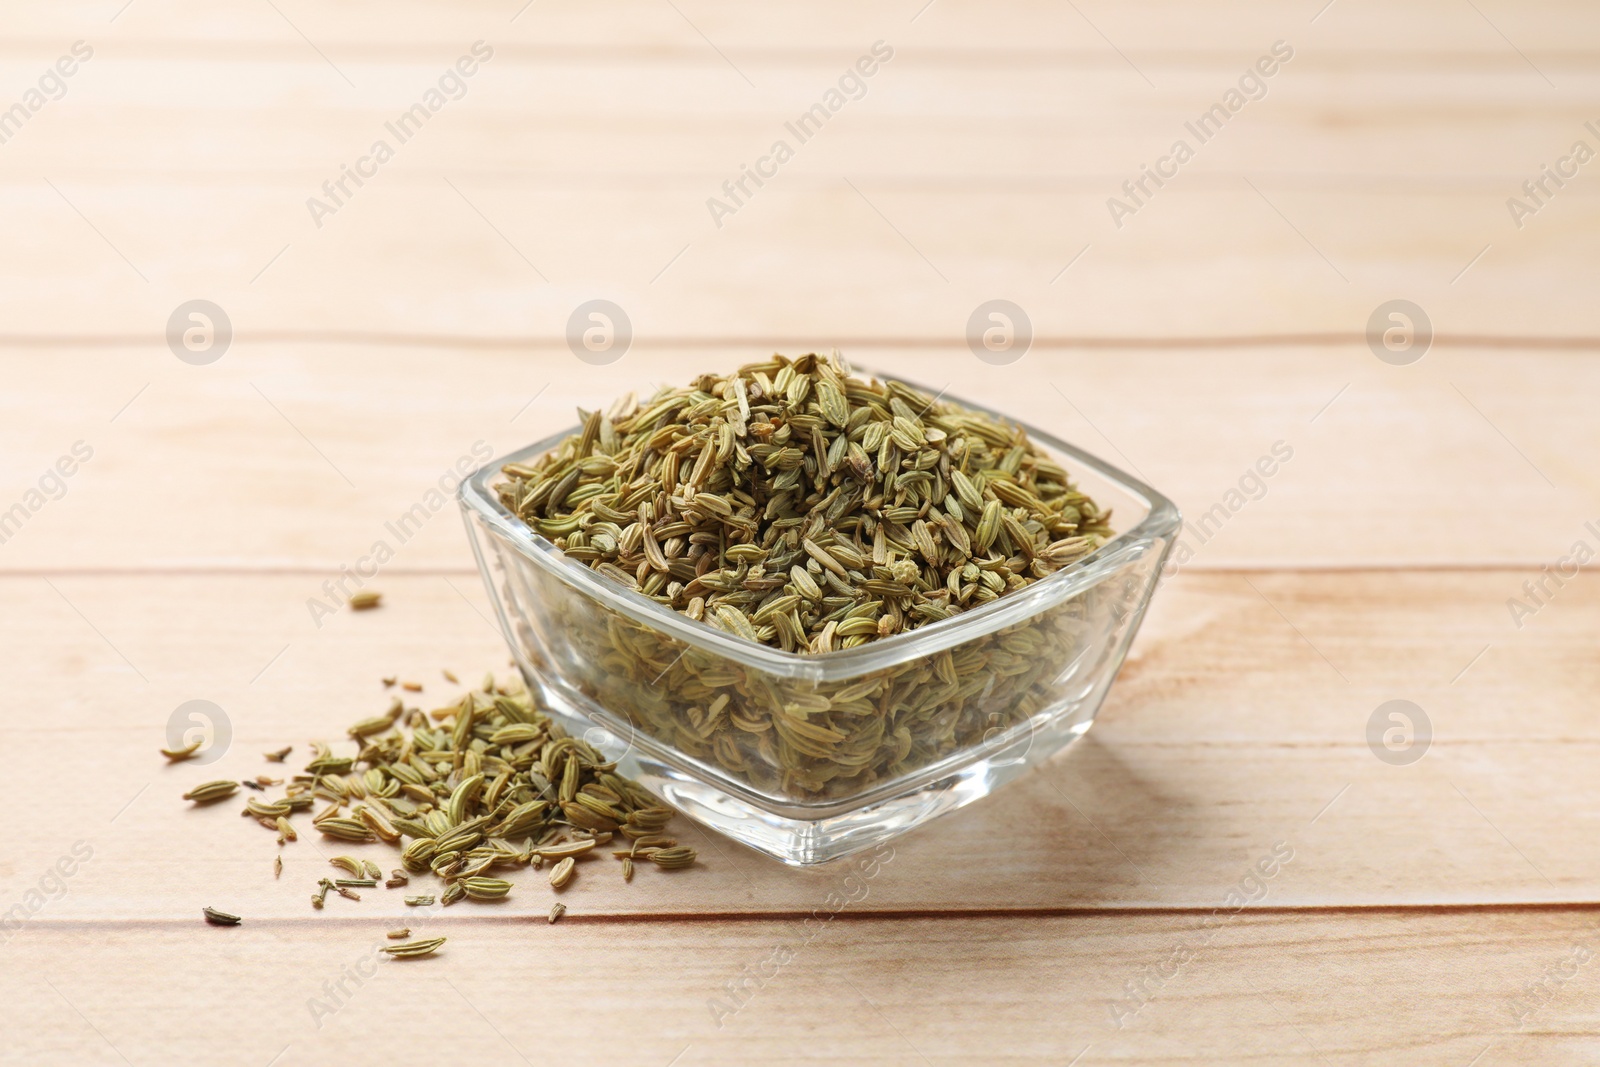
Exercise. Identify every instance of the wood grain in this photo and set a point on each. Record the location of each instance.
(291, 456)
(964, 172)
(1410, 913)
(1240, 721)
(1397, 986)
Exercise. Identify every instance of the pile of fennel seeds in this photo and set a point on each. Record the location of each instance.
(794, 505)
(465, 792)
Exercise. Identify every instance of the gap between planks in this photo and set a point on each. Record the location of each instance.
(1308, 911)
(1312, 567)
(553, 343)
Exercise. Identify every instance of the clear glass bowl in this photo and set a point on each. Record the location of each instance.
(785, 752)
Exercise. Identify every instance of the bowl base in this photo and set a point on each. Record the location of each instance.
(792, 835)
(805, 842)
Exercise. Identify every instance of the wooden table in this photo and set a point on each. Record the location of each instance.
(1440, 910)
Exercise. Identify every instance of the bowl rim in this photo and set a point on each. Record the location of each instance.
(1161, 519)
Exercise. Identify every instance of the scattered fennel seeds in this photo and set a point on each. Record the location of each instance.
(178, 755)
(557, 910)
(485, 784)
(366, 599)
(400, 934)
(220, 918)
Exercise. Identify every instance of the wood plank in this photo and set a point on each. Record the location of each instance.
(993, 121)
(245, 463)
(1240, 722)
(1171, 26)
(881, 261)
(1412, 987)
(580, 176)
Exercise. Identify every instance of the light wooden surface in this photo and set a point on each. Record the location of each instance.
(1443, 912)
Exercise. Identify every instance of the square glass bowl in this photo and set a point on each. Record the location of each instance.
(812, 757)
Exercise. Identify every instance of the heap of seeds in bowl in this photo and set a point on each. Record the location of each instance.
(795, 505)
(487, 784)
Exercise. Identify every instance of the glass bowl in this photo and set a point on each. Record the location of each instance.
(812, 757)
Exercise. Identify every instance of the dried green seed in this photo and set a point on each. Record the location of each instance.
(346, 829)
(566, 848)
(211, 792)
(485, 888)
(462, 798)
(414, 949)
(673, 858)
(220, 918)
(177, 755)
(419, 854)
